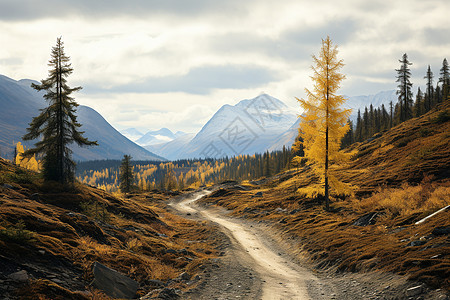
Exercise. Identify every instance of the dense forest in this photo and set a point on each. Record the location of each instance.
(186, 173)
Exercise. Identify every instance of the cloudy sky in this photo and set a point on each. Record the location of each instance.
(172, 63)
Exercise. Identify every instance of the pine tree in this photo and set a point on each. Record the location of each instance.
(57, 124)
(404, 89)
(358, 134)
(445, 79)
(324, 122)
(418, 105)
(348, 138)
(430, 91)
(126, 176)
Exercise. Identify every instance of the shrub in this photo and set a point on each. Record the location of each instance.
(16, 233)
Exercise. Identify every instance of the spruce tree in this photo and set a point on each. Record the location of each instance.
(404, 89)
(418, 105)
(430, 91)
(126, 176)
(445, 79)
(57, 124)
(324, 123)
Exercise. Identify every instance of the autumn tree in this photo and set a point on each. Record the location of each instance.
(126, 176)
(404, 89)
(324, 123)
(57, 124)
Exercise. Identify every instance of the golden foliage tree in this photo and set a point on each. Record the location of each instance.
(324, 123)
(25, 162)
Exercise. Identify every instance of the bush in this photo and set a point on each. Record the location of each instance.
(96, 211)
(443, 117)
(16, 233)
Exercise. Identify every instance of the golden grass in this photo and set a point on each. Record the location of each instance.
(405, 200)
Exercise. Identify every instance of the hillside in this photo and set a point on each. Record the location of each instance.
(51, 238)
(20, 103)
(402, 176)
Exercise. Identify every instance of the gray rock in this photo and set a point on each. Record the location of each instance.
(21, 276)
(34, 196)
(113, 283)
(414, 291)
(367, 219)
(258, 194)
(184, 276)
(416, 243)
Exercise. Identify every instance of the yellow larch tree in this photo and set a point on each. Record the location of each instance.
(324, 123)
(29, 163)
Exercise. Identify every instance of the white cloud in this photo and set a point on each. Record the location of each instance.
(185, 59)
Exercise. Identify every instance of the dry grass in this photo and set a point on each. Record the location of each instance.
(402, 176)
(405, 200)
(79, 226)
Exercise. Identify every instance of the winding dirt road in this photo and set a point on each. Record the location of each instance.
(281, 278)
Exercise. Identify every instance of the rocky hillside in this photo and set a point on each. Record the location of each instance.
(62, 244)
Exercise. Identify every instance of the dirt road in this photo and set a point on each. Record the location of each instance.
(255, 266)
(279, 277)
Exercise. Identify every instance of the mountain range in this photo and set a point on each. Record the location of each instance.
(251, 126)
(20, 103)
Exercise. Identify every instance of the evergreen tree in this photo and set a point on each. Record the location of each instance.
(358, 134)
(365, 123)
(57, 124)
(430, 91)
(445, 79)
(324, 122)
(391, 114)
(404, 89)
(348, 138)
(126, 176)
(418, 105)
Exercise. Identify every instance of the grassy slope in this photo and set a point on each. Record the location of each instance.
(64, 233)
(402, 175)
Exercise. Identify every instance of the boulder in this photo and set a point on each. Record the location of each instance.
(21, 276)
(258, 194)
(414, 291)
(113, 283)
(367, 219)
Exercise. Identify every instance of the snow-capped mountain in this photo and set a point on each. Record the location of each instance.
(163, 135)
(359, 102)
(132, 134)
(174, 149)
(248, 127)
(353, 102)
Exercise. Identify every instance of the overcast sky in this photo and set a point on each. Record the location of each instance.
(172, 63)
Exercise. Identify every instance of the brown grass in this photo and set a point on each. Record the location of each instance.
(402, 176)
(80, 225)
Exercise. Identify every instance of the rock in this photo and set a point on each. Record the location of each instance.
(8, 186)
(184, 276)
(441, 230)
(258, 194)
(21, 276)
(416, 243)
(41, 252)
(34, 196)
(154, 283)
(367, 219)
(168, 294)
(414, 291)
(113, 283)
